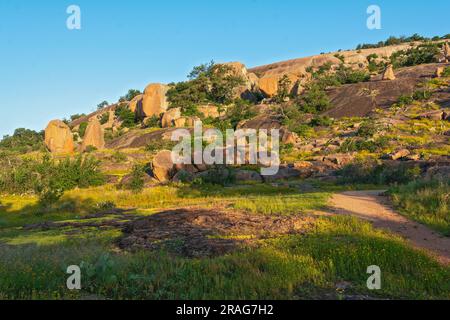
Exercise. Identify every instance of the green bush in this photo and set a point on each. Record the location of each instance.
(218, 175)
(315, 100)
(137, 182)
(23, 141)
(284, 86)
(368, 129)
(321, 121)
(421, 95)
(357, 145)
(208, 83)
(422, 54)
(104, 118)
(152, 122)
(102, 105)
(427, 202)
(159, 145)
(82, 129)
(446, 72)
(372, 172)
(346, 75)
(132, 93)
(240, 111)
(125, 115)
(39, 176)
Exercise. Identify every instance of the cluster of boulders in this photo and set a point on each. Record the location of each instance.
(59, 138)
(164, 170)
(444, 57)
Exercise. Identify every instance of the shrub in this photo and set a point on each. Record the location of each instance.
(152, 122)
(357, 145)
(136, 183)
(102, 105)
(82, 129)
(418, 55)
(368, 129)
(76, 116)
(346, 75)
(125, 115)
(208, 83)
(321, 121)
(427, 202)
(315, 100)
(372, 172)
(240, 111)
(48, 176)
(104, 118)
(446, 72)
(159, 145)
(132, 93)
(294, 120)
(218, 175)
(23, 140)
(118, 157)
(284, 86)
(421, 95)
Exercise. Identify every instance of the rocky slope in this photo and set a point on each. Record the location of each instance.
(323, 147)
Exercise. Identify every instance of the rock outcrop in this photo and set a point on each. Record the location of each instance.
(439, 72)
(269, 84)
(154, 100)
(94, 136)
(58, 137)
(136, 103)
(389, 73)
(169, 117)
(163, 166)
(447, 51)
(209, 111)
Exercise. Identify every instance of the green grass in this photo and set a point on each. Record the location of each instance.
(33, 262)
(292, 267)
(425, 202)
(283, 204)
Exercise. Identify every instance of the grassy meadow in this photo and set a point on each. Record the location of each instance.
(328, 261)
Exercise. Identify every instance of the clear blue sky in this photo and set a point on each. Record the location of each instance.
(48, 71)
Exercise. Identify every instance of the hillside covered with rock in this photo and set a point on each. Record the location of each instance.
(390, 103)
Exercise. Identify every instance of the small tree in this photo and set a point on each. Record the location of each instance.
(137, 182)
(284, 86)
(102, 105)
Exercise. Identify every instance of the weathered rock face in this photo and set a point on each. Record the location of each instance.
(397, 155)
(58, 137)
(439, 72)
(169, 117)
(447, 50)
(237, 69)
(209, 111)
(433, 115)
(163, 166)
(111, 121)
(389, 73)
(94, 135)
(298, 67)
(181, 122)
(269, 84)
(289, 137)
(136, 103)
(154, 100)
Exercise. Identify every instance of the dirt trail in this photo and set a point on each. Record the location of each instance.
(372, 206)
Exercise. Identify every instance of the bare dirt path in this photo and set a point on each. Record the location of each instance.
(372, 206)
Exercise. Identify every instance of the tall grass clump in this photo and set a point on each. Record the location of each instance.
(427, 202)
